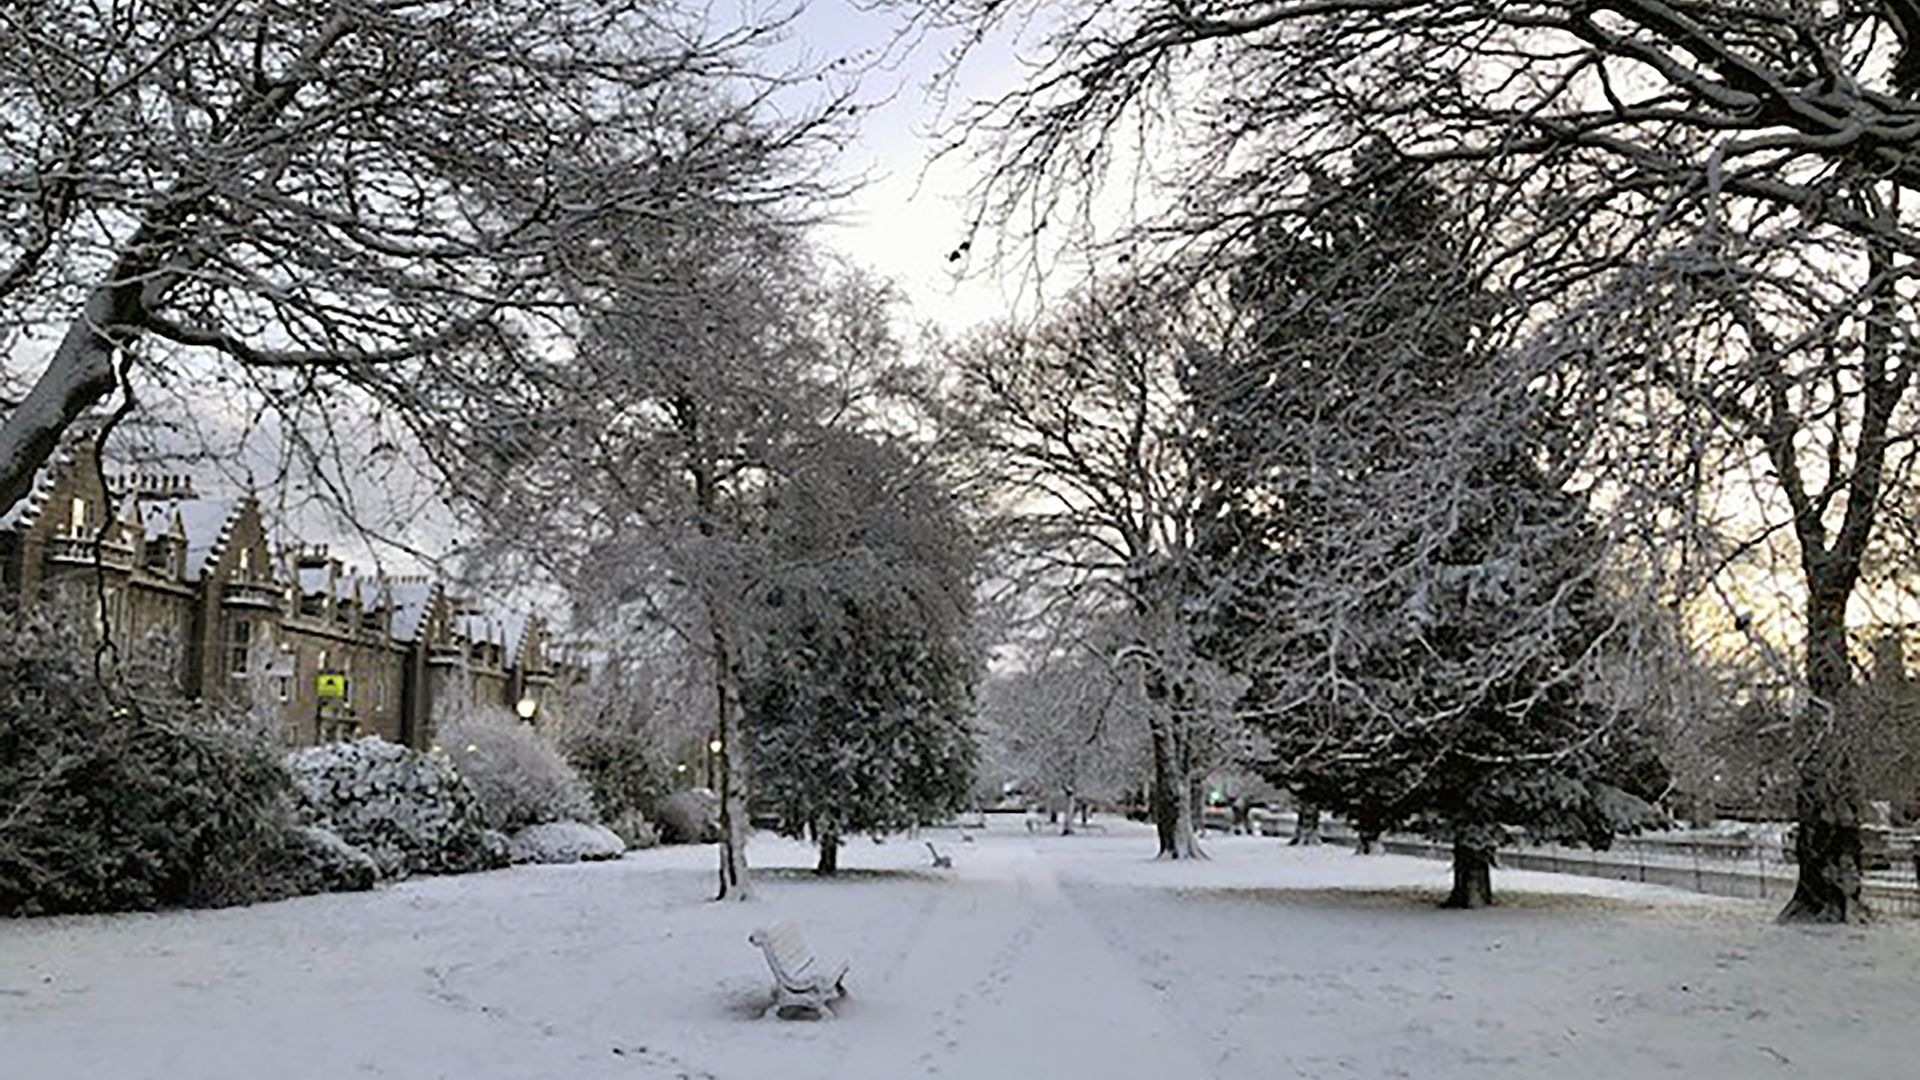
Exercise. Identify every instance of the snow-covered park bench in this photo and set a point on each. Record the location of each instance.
(802, 984)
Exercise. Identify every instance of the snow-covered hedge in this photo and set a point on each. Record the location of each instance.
(519, 778)
(410, 812)
(564, 842)
(125, 800)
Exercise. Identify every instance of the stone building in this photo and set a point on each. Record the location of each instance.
(192, 584)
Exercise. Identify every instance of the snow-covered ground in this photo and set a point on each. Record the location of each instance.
(1036, 957)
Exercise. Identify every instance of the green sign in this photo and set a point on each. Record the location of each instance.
(330, 686)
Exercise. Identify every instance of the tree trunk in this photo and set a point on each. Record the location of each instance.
(734, 880)
(1367, 827)
(1827, 804)
(1472, 876)
(1306, 826)
(1168, 797)
(829, 863)
(1066, 819)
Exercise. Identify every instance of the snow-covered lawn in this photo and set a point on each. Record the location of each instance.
(1036, 957)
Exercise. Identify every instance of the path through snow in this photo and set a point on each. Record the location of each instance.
(1035, 957)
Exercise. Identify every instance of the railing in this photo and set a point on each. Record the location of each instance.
(254, 594)
(79, 551)
(1747, 869)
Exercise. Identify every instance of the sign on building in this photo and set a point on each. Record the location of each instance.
(330, 686)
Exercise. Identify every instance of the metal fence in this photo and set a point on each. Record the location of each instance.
(1713, 865)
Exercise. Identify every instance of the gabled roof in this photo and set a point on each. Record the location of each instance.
(362, 590)
(412, 597)
(23, 514)
(514, 627)
(207, 525)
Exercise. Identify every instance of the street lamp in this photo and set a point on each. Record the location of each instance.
(527, 707)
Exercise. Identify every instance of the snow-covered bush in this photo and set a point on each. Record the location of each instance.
(635, 830)
(689, 817)
(564, 842)
(317, 860)
(614, 746)
(124, 796)
(411, 813)
(519, 778)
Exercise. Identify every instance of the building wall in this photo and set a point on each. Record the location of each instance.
(235, 629)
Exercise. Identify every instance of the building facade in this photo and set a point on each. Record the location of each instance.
(192, 586)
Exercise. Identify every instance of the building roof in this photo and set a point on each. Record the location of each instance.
(412, 597)
(312, 580)
(357, 587)
(206, 523)
(509, 630)
(27, 511)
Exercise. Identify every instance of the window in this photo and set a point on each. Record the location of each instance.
(239, 645)
(283, 688)
(78, 520)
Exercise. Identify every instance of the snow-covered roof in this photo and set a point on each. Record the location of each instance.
(478, 627)
(505, 629)
(514, 625)
(312, 580)
(206, 523)
(411, 599)
(25, 512)
(362, 590)
(158, 522)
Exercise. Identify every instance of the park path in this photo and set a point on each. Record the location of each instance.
(1005, 977)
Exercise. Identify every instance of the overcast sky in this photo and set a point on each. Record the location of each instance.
(913, 210)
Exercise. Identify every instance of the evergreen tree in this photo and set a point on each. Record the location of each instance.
(1420, 603)
(859, 688)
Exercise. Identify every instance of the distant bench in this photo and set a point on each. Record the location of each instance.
(801, 984)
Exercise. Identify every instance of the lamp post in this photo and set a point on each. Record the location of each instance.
(714, 746)
(527, 708)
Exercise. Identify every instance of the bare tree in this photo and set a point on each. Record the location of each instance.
(1071, 727)
(372, 194)
(1732, 179)
(1085, 425)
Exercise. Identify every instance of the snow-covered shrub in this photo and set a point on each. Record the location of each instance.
(124, 796)
(614, 747)
(317, 860)
(689, 817)
(635, 830)
(519, 778)
(411, 813)
(564, 842)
